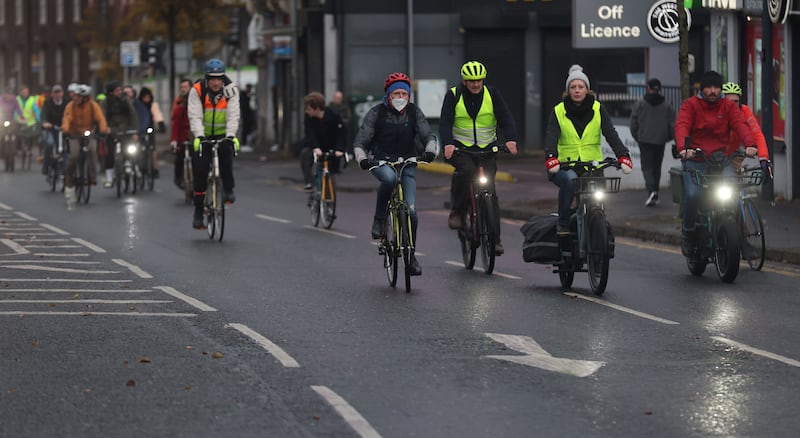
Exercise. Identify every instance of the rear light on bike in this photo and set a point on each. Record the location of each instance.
(131, 149)
(724, 193)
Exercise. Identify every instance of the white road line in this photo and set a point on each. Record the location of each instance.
(273, 349)
(620, 308)
(25, 216)
(48, 254)
(80, 291)
(62, 280)
(52, 246)
(21, 229)
(187, 299)
(757, 351)
(40, 240)
(89, 301)
(89, 245)
(273, 219)
(5, 207)
(499, 274)
(350, 415)
(16, 247)
(48, 268)
(133, 268)
(335, 233)
(180, 315)
(56, 229)
(60, 262)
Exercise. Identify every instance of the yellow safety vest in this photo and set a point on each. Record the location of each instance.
(573, 147)
(214, 115)
(480, 131)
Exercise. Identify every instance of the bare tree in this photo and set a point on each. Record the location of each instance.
(683, 50)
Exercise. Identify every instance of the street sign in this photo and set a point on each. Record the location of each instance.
(129, 54)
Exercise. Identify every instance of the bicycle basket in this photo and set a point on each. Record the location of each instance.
(608, 184)
(751, 177)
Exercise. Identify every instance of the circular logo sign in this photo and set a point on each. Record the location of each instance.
(778, 10)
(662, 21)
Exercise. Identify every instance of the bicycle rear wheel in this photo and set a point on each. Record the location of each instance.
(80, 180)
(52, 174)
(188, 180)
(486, 231)
(87, 183)
(597, 252)
(754, 248)
(390, 249)
(327, 204)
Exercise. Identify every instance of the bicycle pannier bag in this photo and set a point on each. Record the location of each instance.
(541, 241)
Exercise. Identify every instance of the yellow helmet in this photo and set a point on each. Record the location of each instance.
(473, 71)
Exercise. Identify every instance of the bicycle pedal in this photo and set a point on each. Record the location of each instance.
(381, 250)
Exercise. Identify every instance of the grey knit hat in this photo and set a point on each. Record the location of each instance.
(576, 72)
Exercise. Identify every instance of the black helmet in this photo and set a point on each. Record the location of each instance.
(111, 86)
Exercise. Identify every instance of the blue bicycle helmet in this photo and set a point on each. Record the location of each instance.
(215, 67)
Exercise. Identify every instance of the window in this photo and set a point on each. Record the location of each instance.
(42, 12)
(2, 12)
(76, 11)
(59, 11)
(18, 12)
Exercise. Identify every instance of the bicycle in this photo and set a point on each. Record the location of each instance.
(147, 178)
(215, 197)
(482, 218)
(188, 175)
(589, 245)
(81, 174)
(397, 241)
(126, 164)
(753, 238)
(322, 201)
(55, 168)
(9, 144)
(28, 135)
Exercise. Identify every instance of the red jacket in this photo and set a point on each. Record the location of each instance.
(180, 120)
(709, 125)
(752, 123)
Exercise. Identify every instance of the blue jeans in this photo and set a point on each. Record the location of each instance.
(386, 176)
(692, 192)
(563, 179)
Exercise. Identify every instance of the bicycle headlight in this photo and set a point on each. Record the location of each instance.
(6, 123)
(483, 180)
(724, 193)
(131, 149)
(87, 133)
(599, 195)
(149, 130)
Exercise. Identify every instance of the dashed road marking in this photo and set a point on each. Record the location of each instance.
(16, 247)
(335, 233)
(133, 268)
(86, 301)
(79, 291)
(55, 229)
(350, 415)
(757, 351)
(53, 269)
(499, 274)
(139, 314)
(620, 308)
(89, 245)
(63, 280)
(53, 254)
(273, 219)
(273, 349)
(187, 299)
(25, 216)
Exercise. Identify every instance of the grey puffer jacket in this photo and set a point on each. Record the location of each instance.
(653, 120)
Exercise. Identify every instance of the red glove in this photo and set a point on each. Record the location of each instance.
(552, 164)
(626, 164)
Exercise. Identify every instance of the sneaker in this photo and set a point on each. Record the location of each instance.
(498, 249)
(108, 184)
(652, 200)
(378, 229)
(307, 187)
(230, 198)
(414, 267)
(562, 230)
(197, 220)
(454, 221)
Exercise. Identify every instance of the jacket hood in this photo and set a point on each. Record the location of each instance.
(654, 99)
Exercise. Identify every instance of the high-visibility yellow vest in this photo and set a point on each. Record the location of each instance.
(570, 145)
(214, 116)
(28, 108)
(480, 131)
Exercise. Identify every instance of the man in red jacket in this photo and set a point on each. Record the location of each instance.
(180, 129)
(704, 121)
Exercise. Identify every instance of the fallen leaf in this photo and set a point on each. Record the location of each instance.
(130, 383)
(189, 347)
(35, 343)
(316, 417)
(76, 296)
(205, 353)
(187, 388)
(217, 355)
(145, 359)
(87, 391)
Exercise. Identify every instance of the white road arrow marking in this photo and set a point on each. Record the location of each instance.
(536, 356)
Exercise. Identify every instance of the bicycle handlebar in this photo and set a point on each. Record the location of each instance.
(214, 142)
(591, 166)
(496, 149)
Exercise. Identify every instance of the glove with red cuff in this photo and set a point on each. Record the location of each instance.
(552, 164)
(625, 164)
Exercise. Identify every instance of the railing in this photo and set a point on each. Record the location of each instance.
(619, 97)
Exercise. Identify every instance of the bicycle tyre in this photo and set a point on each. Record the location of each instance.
(87, 183)
(220, 212)
(728, 250)
(566, 277)
(404, 229)
(80, 180)
(315, 207)
(52, 174)
(465, 236)
(188, 180)
(327, 204)
(151, 173)
(9, 152)
(390, 249)
(753, 235)
(210, 210)
(597, 252)
(486, 232)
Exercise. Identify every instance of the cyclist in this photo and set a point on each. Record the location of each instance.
(52, 113)
(733, 91)
(573, 133)
(79, 116)
(389, 131)
(324, 131)
(706, 121)
(213, 106)
(471, 114)
(121, 117)
(27, 119)
(179, 128)
(155, 120)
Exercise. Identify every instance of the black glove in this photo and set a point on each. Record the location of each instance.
(161, 127)
(365, 164)
(428, 157)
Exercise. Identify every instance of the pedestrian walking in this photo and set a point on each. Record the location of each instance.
(652, 126)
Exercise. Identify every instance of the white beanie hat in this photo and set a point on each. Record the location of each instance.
(576, 72)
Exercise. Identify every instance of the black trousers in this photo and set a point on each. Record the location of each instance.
(466, 172)
(201, 164)
(652, 157)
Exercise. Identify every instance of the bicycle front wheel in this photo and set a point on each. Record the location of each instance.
(314, 205)
(486, 219)
(220, 219)
(389, 245)
(465, 237)
(80, 180)
(327, 204)
(188, 180)
(754, 248)
(404, 228)
(87, 183)
(728, 250)
(597, 252)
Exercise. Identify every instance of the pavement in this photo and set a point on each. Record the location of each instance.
(524, 191)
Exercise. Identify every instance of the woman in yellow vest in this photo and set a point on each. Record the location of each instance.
(573, 133)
